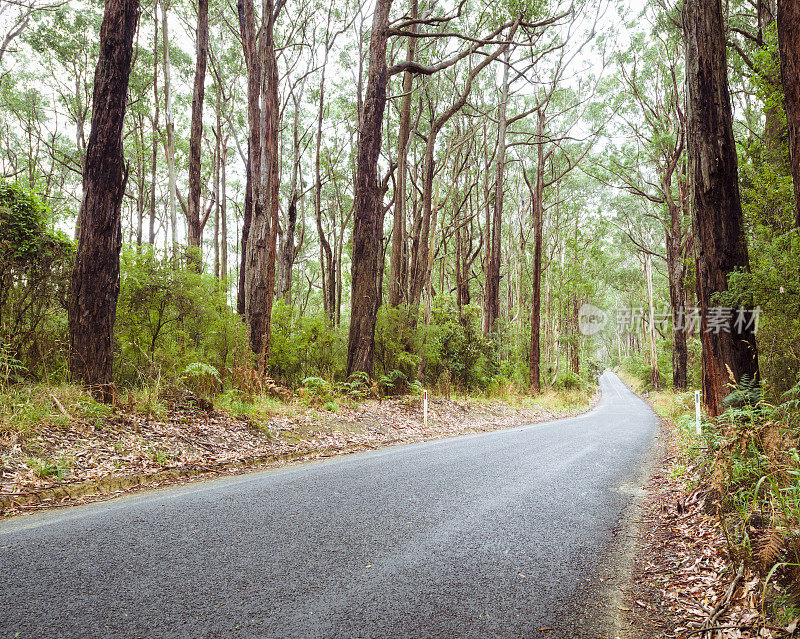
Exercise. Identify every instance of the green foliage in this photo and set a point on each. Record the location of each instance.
(201, 378)
(455, 347)
(568, 380)
(303, 347)
(393, 383)
(317, 388)
(45, 468)
(11, 369)
(357, 386)
(396, 342)
(34, 276)
(170, 318)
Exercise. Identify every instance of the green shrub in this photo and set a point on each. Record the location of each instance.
(170, 317)
(201, 378)
(304, 347)
(357, 386)
(35, 264)
(317, 388)
(569, 381)
(396, 342)
(393, 383)
(455, 348)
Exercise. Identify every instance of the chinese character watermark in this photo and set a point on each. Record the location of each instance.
(690, 319)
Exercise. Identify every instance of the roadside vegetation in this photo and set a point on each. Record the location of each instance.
(743, 474)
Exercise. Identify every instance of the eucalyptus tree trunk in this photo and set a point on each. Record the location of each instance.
(288, 251)
(716, 202)
(534, 358)
(327, 261)
(398, 256)
(154, 157)
(676, 254)
(491, 304)
(262, 239)
(94, 286)
(195, 217)
(789, 47)
(169, 126)
(217, 185)
(223, 212)
(368, 208)
(655, 375)
(252, 197)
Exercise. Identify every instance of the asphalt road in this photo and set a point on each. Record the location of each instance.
(500, 534)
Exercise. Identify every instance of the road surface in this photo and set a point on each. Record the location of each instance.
(499, 534)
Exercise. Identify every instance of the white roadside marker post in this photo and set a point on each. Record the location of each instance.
(697, 424)
(425, 408)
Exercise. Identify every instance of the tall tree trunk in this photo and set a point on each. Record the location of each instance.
(252, 199)
(327, 261)
(94, 285)
(154, 157)
(217, 175)
(195, 218)
(677, 296)
(789, 47)
(170, 127)
(287, 252)
(368, 208)
(655, 374)
(576, 335)
(223, 212)
(537, 196)
(140, 182)
(398, 257)
(262, 239)
(715, 200)
(491, 309)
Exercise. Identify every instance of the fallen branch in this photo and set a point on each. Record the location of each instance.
(712, 628)
(59, 406)
(723, 603)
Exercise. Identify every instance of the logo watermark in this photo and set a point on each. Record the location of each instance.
(718, 319)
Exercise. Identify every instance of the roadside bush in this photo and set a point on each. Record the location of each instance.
(396, 343)
(169, 317)
(569, 381)
(35, 264)
(201, 378)
(303, 347)
(455, 346)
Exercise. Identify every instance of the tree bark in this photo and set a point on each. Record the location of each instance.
(288, 251)
(195, 218)
(716, 202)
(655, 375)
(327, 260)
(94, 285)
(368, 208)
(252, 199)
(677, 297)
(170, 127)
(534, 358)
(491, 308)
(398, 255)
(154, 157)
(789, 47)
(223, 212)
(262, 239)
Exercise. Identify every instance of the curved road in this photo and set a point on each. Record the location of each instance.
(499, 534)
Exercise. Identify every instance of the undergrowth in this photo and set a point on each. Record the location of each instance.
(748, 460)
